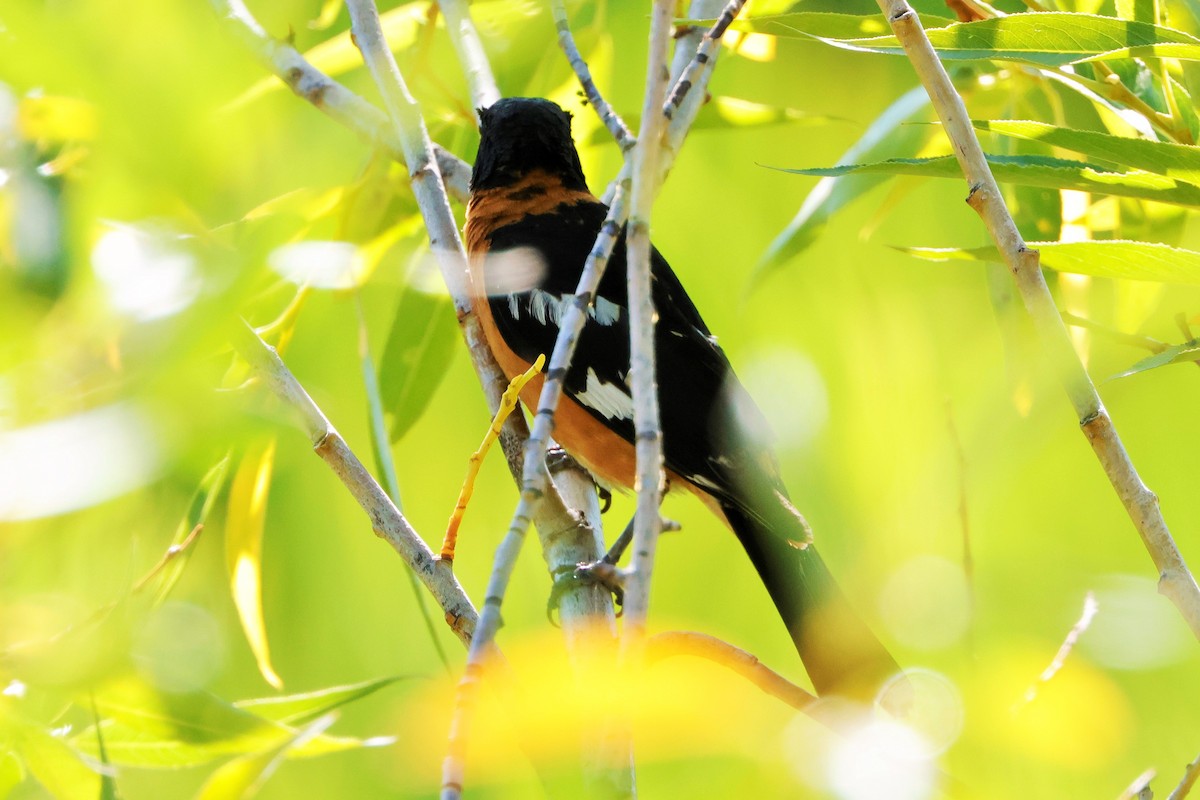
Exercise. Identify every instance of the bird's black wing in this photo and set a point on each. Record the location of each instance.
(705, 412)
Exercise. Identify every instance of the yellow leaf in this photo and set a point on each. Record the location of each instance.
(243, 547)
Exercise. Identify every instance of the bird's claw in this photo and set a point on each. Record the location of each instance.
(558, 459)
(598, 573)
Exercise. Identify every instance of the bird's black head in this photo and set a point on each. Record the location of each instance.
(521, 134)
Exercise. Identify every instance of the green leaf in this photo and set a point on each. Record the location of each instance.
(1139, 261)
(149, 728)
(1163, 158)
(420, 345)
(1047, 39)
(724, 113)
(1177, 354)
(1053, 173)
(242, 778)
(201, 505)
(300, 709)
(192, 717)
(885, 136)
(809, 24)
(56, 764)
(132, 748)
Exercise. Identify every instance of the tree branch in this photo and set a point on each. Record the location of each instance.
(331, 97)
(700, 645)
(1190, 776)
(699, 63)
(1175, 580)
(616, 126)
(470, 53)
(388, 523)
(642, 373)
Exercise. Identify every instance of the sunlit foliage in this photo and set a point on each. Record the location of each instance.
(191, 605)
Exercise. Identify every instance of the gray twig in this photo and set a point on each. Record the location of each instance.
(470, 52)
(331, 97)
(1175, 579)
(642, 369)
(616, 126)
(387, 521)
(699, 62)
(1190, 776)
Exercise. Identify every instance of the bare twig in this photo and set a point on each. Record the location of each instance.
(1139, 787)
(642, 370)
(1090, 607)
(1190, 776)
(616, 126)
(696, 66)
(681, 643)
(331, 97)
(1175, 580)
(389, 524)
(688, 99)
(470, 52)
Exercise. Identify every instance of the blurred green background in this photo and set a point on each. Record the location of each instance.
(911, 410)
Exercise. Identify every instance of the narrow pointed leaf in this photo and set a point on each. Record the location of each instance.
(241, 778)
(1048, 39)
(1164, 158)
(886, 136)
(55, 764)
(202, 503)
(1031, 170)
(243, 547)
(1140, 261)
(1178, 354)
(300, 709)
(420, 345)
(819, 24)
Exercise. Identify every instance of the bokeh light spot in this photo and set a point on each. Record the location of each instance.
(925, 603)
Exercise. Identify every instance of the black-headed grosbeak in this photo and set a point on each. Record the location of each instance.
(531, 223)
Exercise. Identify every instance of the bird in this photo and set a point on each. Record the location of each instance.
(531, 222)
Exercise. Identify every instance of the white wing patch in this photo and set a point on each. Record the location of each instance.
(548, 308)
(605, 311)
(609, 399)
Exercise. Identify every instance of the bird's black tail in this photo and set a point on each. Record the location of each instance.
(840, 653)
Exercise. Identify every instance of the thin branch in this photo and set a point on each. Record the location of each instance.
(681, 643)
(508, 403)
(704, 51)
(1139, 788)
(1090, 607)
(616, 126)
(386, 520)
(687, 100)
(471, 56)
(1190, 776)
(642, 371)
(331, 97)
(1175, 580)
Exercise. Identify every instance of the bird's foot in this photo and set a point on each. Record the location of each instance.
(558, 459)
(597, 573)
